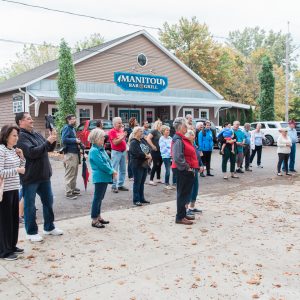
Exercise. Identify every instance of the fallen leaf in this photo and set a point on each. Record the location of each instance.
(255, 279)
(277, 285)
(194, 286)
(194, 243)
(255, 296)
(213, 284)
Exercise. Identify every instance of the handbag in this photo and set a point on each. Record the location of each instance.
(1, 188)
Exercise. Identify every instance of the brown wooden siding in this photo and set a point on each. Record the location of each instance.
(6, 109)
(101, 67)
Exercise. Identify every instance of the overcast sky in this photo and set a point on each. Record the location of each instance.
(35, 25)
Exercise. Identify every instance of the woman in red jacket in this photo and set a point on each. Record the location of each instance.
(184, 163)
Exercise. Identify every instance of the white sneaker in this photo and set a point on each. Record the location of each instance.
(34, 237)
(55, 231)
(168, 187)
(152, 182)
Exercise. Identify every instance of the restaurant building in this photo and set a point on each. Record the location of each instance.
(131, 76)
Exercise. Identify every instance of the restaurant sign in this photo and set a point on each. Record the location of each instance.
(140, 82)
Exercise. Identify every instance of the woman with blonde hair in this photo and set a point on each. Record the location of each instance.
(284, 144)
(153, 140)
(139, 156)
(102, 174)
(165, 142)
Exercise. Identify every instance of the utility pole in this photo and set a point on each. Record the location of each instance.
(287, 63)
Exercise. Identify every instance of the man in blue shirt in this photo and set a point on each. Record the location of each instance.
(293, 136)
(240, 145)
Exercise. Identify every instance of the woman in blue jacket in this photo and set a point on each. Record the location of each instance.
(103, 173)
(206, 145)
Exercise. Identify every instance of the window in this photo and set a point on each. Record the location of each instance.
(18, 103)
(149, 115)
(142, 60)
(83, 113)
(204, 114)
(111, 113)
(52, 109)
(284, 125)
(188, 111)
(272, 126)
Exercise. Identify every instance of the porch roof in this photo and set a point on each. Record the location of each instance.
(153, 100)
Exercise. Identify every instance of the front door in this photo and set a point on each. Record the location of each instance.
(125, 114)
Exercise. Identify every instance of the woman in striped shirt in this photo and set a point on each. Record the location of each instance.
(12, 164)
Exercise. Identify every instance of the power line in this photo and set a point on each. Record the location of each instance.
(84, 49)
(79, 15)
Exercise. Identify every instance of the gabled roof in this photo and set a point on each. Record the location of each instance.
(47, 69)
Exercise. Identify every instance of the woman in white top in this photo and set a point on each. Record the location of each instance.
(284, 144)
(12, 164)
(256, 141)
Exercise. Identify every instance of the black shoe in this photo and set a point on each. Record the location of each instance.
(123, 188)
(71, 197)
(294, 171)
(77, 189)
(248, 170)
(11, 256)
(145, 201)
(239, 171)
(103, 221)
(202, 175)
(18, 251)
(209, 174)
(114, 190)
(138, 204)
(76, 193)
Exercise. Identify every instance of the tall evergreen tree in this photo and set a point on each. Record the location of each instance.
(243, 117)
(66, 86)
(250, 115)
(267, 88)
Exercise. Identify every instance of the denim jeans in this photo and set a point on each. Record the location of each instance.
(118, 160)
(292, 157)
(167, 163)
(195, 188)
(139, 178)
(44, 190)
(99, 193)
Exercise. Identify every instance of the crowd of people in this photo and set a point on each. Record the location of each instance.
(186, 157)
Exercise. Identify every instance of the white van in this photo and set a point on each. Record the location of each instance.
(271, 130)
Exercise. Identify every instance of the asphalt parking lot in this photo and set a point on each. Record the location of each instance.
(65, 208)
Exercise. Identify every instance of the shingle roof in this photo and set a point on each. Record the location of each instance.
(23, 79)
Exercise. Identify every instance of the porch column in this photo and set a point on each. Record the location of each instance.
(178, 110)
(103, 108)
(171, 113)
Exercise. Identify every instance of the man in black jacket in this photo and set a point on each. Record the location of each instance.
(36, 179)
(71, 156)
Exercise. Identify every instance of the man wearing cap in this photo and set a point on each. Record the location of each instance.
(293, 136)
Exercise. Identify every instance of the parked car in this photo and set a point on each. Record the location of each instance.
(271, 130)
(298, 130)
(84, 129)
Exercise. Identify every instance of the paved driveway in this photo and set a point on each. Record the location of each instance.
(65, 208)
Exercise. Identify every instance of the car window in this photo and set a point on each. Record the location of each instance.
(297, 126)
(284, 124)
(92, 125)
(270, 125)
(80, 127)
(107, 124)
(263, 126)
